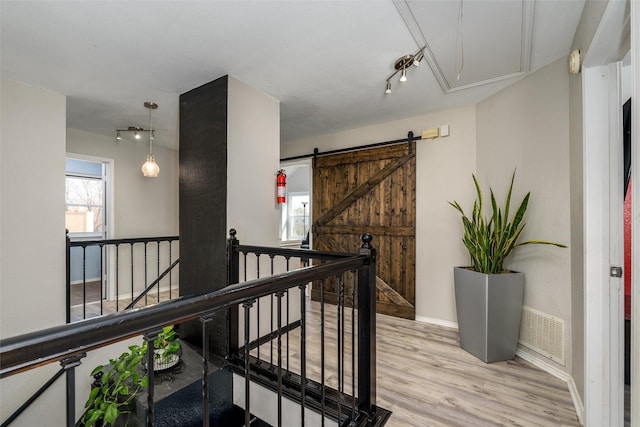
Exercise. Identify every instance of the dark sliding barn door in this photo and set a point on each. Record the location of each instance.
(369, 191)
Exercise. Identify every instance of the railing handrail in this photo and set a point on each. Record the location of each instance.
(23, 352)
(128, 240)
(152, 285)
(293, 253)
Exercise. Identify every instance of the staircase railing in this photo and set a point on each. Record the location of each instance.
(69, 343)
(131, 262)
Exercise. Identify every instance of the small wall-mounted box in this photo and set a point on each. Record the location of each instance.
(430, 133)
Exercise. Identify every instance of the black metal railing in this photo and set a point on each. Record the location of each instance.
(128, 265)
(344, 390)
(69, 343)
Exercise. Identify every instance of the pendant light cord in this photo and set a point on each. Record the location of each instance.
(150, 134)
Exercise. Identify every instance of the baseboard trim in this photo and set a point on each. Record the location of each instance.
(127, 296)
(439, 322)
(88, 280)
(541, 362)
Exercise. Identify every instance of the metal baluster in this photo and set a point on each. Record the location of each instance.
(149, 339)
(340, 337)
(84, 282)
(205, 371)
(287, 268)
(158, 268)
(279, 296)
(353, 346)
(68, 274)
(170, 271)
(303, 351)
(247, 330)
(101, 277)
(69, 364)
(244, 265)
(131, 248)
(271, 340)
(117, 273)
(258, 314)
(146, 282)
(322, 390)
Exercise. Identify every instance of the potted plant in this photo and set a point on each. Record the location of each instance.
(489, 297)
(166, 349)
(116, 385)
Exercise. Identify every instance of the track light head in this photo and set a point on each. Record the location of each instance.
(118, 136)
(403, 77)
(388, 89)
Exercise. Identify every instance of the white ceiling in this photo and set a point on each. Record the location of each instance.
(326, 61)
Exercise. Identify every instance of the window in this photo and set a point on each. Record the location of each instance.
(85, 198)
(295, 217)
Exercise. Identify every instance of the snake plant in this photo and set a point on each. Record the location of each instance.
(490, 240)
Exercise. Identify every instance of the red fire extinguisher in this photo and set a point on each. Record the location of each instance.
(281, 182)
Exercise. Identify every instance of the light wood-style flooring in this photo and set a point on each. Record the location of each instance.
(426, 379)
(95, 307)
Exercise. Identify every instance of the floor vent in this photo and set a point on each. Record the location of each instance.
(542, 333)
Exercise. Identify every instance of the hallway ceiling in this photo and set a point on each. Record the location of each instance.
(325, 61)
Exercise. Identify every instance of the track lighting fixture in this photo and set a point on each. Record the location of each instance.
(150, 168)
(401, 66)
(137, 131)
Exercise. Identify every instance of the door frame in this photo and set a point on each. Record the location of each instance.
(603, 247)
(635, 212)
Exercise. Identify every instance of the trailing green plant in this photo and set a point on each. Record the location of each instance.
(490, 240)
(118, 383)
(113, 391)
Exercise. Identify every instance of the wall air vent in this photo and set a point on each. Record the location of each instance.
(542, 333)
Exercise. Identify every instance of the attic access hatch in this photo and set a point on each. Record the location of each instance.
(474, 42)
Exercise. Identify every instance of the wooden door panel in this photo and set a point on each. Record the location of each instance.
(369, 191)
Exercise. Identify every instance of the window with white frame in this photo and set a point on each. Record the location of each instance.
(85, 199)
(295, 217)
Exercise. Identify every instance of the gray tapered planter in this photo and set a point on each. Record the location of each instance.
(489, 309)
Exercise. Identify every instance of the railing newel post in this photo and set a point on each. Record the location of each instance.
(367, 329)
(68, 268)
(233, 277)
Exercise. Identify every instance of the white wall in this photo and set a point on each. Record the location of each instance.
(143, 206)
(253, 156)
(526, 127)
(444, 167)
(32, 139)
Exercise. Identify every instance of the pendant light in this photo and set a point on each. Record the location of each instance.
(150, 168)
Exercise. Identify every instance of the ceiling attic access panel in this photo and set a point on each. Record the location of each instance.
(369, 191)
(471, 43)
(202, 187)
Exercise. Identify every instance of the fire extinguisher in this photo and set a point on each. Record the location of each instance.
(281, 183)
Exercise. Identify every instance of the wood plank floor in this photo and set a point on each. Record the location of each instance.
(95, 308)
(426, 379)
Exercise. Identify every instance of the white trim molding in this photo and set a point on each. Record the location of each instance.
(542, 363)
(438, 322)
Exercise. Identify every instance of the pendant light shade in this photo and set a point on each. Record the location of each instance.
(150, 168)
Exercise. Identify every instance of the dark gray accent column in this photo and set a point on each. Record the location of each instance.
(203, 202)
